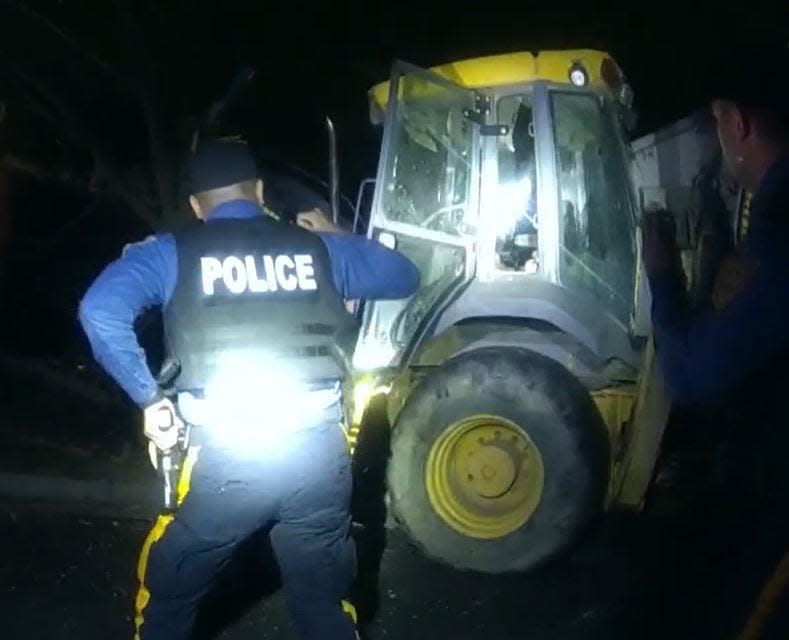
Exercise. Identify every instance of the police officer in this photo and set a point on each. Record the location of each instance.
(728, 362)
(253, 311)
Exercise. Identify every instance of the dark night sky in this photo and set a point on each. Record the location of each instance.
(317, 58)
(312, 60)
(315, 61)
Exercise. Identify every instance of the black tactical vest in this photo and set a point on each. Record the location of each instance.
(260, 288)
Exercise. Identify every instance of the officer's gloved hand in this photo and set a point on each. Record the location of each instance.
(161, 425)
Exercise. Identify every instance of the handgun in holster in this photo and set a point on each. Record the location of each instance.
(170, 461)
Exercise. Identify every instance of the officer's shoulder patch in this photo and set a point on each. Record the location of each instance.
(148, 240)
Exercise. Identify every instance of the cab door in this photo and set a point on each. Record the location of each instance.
(425, 203)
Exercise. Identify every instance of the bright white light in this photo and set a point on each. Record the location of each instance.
(512, 199)
(253, 405)
(373, 353)
(387, 239)
(363, 391)
(578, 76)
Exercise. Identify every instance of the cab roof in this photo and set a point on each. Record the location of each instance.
(518, 68)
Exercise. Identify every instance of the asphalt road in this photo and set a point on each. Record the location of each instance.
(68, 576)
(64, 575)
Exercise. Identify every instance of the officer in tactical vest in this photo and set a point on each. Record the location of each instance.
(253, 312)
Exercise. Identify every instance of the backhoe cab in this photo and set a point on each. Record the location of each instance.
(519, 379)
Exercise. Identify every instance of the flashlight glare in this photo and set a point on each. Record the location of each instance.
(252, 406)
(373, 352)
(511, 203)
(363, 392)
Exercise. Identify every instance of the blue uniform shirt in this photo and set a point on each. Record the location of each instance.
(705, 357)
(145, 276)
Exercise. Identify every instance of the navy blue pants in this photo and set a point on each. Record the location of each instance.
(300, 493)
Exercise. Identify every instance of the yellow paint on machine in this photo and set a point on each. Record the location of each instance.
(351, 436)
(156, 534)
(484, 476)
(512, 68)
(640, 441)
(616, 405)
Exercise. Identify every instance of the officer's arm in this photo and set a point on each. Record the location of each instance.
(703, 358)
(364, 268)
(143, 277)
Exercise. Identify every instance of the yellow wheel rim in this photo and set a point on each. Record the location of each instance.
(484, 476)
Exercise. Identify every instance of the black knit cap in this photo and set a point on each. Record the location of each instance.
(219, 163)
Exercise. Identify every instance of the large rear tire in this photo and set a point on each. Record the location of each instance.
(499, 460)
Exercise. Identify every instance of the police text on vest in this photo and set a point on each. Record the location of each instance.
(285, 272)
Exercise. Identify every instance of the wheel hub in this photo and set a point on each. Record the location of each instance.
(484, 476)
(491, 471)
